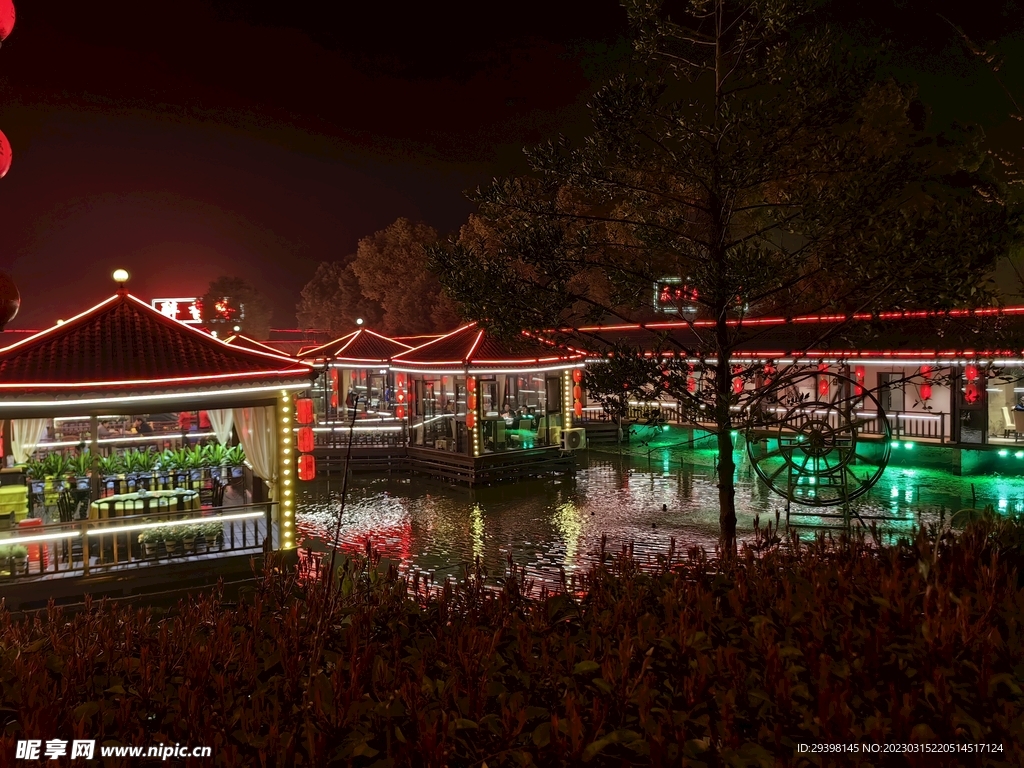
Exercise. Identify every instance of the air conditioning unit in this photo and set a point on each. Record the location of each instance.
(572, 439)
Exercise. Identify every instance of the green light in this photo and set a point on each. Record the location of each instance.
(908, 446)
(1019, 454)
(1004, 452)
(735, 433)
(894, 445)
(664, 427)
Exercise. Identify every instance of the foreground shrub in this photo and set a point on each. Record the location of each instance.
(689, 664)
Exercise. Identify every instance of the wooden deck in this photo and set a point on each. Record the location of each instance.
(453, 467)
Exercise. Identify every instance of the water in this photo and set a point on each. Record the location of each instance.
(554, 525)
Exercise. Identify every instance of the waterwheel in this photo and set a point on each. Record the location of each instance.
(807, 449)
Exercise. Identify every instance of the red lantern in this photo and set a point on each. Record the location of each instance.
(926, 387)
(926, 391)
(971, 372)
(5, 154)
(334, 400)
(470, 420)
(306, 467)
(471, 384)
(332, 374)
(471, 402)
(577, 392)
(400, 380)
(858, 373)
(6, 20)
(400, 412)
(737, 383)
(577, 375)
(304, 410)
(971, 393)
(304, 439)
(577, 408)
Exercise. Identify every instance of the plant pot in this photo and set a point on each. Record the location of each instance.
(20, 565)
(196, 474)
(38, 486)
(151, 548)
(171, 545)
(82, 483)
(189, 543)
(215, 472)
(236, 471)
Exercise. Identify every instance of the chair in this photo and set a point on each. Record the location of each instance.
(1010, 425)
(1018, 425)
(67, 505)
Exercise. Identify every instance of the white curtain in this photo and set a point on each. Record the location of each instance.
(25, 437)
(222, 421)
(257, 431)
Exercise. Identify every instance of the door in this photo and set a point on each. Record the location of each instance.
(890, 393)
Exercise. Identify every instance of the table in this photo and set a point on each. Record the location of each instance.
(134, 504)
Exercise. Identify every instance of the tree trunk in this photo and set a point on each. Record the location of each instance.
(726, 465)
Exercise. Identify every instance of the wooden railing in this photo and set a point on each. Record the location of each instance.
(83, 547)
(366, 433)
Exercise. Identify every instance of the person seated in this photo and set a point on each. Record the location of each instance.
(141, 427)
(507, 415)
(1020, 405)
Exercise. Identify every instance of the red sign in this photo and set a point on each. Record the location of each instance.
(188, 310)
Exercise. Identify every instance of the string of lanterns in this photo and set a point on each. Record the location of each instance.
(6, 26)
(304, 441)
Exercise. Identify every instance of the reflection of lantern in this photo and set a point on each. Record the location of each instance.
(400, 412)
(858, 373)
(304, 439)
(307, 467)
(577, 408)
(577, 375)
(304, 410)
(577, 392)
(470, 419)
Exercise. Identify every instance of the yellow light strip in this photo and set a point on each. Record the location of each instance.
(173, 523)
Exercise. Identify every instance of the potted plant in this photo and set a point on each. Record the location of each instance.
(182, 458)
(130, 464)
(35, 472)
(19, 553)
(146, 461)
(110, 470)
(197, 460)
(150, 541)
(81, 467)
(171, 539)
(188, 537)
(214, 535)
(165, 467)
(235, 459)
(56, 467)
(216, 458)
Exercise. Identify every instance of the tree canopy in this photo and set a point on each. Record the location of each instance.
(386, 282)
(747, 154)
(231, 302)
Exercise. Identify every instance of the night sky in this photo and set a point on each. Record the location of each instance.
(252, 138)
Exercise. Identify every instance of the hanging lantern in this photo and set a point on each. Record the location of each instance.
(304, 410)
(971, 393)
(577, 375)
(304, 439)
(400, 412)
(5, 154)
(926, 387)
(858, 374)
(332, 374)
(471, 384)
(971, 372)
(577, 392)
(471, 402)
(926, 391)
(6, 19)
(470, 420)
(334, 400)
(577, 408)
(306, 467)
(737, 383)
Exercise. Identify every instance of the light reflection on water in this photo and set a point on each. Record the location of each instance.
(555, 524)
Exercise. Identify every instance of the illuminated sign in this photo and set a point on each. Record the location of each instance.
(671, 294)
(183, 310)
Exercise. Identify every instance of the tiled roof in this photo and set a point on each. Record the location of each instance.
(124, 345)
(471, 346)
(238, 340)
(360, 346)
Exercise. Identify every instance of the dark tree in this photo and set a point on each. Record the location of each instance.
(333, 301)
(232, 302)
(748, 154)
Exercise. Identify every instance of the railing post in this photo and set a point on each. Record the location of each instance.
(85, 547)
(269, 515)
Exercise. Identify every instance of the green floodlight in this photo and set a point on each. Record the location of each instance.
(1019, 454)
(664, 427)
(1004, 452)
(894, 444)
(908, 446)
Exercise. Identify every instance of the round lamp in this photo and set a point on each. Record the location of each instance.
(121, 276)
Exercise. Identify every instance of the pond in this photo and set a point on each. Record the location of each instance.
(552, 525)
